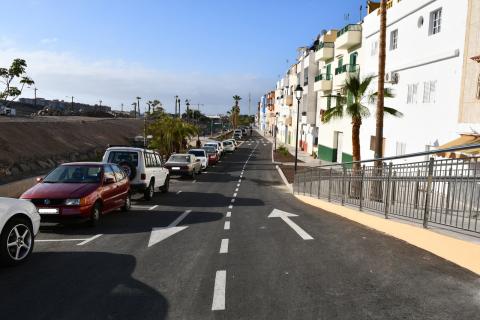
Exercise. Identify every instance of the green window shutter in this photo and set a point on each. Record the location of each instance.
(329, 70)
(340, 62)
(329, 102)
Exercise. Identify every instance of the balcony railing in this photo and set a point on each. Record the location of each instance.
(323, 76)
(349, 27)
(347, 68)
(322, 45)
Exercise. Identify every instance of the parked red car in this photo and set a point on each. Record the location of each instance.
(80, 191)
(212, 155)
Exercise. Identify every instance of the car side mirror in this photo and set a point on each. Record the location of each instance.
(39, 179)
(109, 181)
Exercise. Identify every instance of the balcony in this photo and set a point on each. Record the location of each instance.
(344, 72)
(323, 82)
(349, 36)
(324, 51)
(289, 100)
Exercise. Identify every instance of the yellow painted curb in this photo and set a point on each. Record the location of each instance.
(462, 253)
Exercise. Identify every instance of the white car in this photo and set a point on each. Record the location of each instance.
(19, 224)
(143, 167)
(200, 154)
(228, 146)
(235, 143)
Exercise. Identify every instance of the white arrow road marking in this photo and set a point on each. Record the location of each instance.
(219, 290)
(89, 239)
(160, 234)
(285, 216)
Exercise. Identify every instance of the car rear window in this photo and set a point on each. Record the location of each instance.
(179, 158)
(119, 157)
(197, 153)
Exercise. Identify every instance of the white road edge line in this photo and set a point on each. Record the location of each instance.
(226, 226)
(224, 246)
(219, 290)
(58, 240)
(153, 207)
(89, 240)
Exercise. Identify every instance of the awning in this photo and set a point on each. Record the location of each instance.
(461, 141)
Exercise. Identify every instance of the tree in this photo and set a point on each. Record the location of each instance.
(353, 107)
(170, 134)
(381, 83)
(14, 79)
(235, 111)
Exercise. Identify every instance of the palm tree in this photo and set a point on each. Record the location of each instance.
(170, 134)
(235, 112)
(381, 83)
(353, 107)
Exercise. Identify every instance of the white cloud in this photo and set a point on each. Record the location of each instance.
(48, 40)
(60, 74)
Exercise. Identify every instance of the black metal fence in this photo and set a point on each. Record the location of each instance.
(442, 191)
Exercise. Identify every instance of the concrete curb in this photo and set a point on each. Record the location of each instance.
(463, 253)
(289, 185)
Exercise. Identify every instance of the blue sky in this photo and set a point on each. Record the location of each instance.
(203, 50)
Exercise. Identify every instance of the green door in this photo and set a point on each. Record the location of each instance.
(329, 71)
(353, 61)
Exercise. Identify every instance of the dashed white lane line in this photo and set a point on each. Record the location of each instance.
(224, 246)
(235, 195)
(229, 214)
(226, 226)
(232, 201)
(219, 290)
(194, 181)
(153, 207)
(89, 240)
(239, 180)
(179, 191)
(236, 190)
(238, 184)
(230, 207)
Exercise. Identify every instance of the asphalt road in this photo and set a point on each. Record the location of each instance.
(232, 263)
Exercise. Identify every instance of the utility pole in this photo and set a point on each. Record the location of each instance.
(138, 106)
(121, 107)
(35, 97)
(134, 109)
(99, 101)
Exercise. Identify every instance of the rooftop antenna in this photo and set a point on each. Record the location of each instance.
(361, 8)
(346, 16)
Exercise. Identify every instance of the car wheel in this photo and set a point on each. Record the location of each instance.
(16, 242)
(166, 185)
(128, 203)
(148, 194)
(96, 215)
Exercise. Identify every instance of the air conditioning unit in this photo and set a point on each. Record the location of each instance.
(392, 77)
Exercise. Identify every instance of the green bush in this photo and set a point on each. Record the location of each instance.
(283, 150)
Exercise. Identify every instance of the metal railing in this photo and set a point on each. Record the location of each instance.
(437, 191)
(346, 67)
(323, 76)
(349, 27)
(322, 45)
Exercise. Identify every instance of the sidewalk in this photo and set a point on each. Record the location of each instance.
(308, 160)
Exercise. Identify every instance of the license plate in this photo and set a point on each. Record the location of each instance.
(48, 211)
(175, 168)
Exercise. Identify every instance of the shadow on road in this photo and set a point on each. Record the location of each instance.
(78, 285)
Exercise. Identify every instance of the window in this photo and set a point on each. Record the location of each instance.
(394, 39)
(108, 173)
(119, 173)
(374, 48)
(478, 87)
(305, 76)
(412, 93)
(429, 90)
(435, 21)
(120, 157)
(400, 148)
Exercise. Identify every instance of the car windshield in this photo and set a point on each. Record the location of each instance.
(227, 143)
(74, 174)
(213, 145)
(179, 158)
(120, 157)
(197, 153)
(209, 149)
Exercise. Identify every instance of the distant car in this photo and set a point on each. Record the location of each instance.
(228, 146)
(212, 155)
(80, 191)
(200, 154)
(183, 165)
(19, 224)
(216, 146)
(235, 143)
(237, 136)
(143, 167)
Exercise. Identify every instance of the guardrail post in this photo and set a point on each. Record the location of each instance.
(362, 175)
(388, 187)
(417, 191)
(294, 182)
(448, 190)
(344, 181)
(311, 181)
(319, 182)
(330, 186)
(427, 195)
(304, 181)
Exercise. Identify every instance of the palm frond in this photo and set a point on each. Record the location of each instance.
(332, 113)
(392, 111)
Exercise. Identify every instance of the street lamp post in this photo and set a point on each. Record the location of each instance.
(298, 96)
(134, 109)
(35, 99)
(187, 103)
(71, 106)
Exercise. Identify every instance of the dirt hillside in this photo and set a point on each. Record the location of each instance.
(31, 146)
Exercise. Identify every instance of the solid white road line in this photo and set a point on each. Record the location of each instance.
(179, 191)
(89, 240)
(229, 214)
(153, 207)
(224, 246)
(58, 240)
(219, 290)
(226, 226)
(180, 218)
